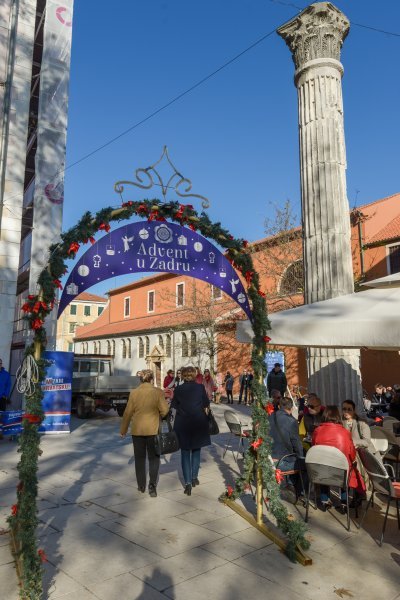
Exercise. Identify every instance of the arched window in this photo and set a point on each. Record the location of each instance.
(185, 345)
(129, 348)
(86, 348)
(82, 348)
(147, 340)
(113, 347)
(292, 281)
(94, 347)
(193, 343)
(108, 347)
(161, 342)
(123, 343)
(99, 347)
(168, 346)
(140, 348)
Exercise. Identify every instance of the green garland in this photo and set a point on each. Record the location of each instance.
(24, 514)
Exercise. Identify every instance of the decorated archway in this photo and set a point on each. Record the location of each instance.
(165, 225)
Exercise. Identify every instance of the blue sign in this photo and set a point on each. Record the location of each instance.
(154, 247)
(57, 392)
(12, 422)
(274, 357)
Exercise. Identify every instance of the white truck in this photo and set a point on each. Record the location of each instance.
(95, 386)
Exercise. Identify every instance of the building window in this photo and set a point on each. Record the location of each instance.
(185, 345)
(147, 339)
(86, 348)
(99, 347)
(72, 327)
(82, 348)
(168, 346)
(94, 348)
(140, 348)
(193, 343)
(123, 348)
(216, 293)
(292, 281)
(180, 294)
(108, 347)
(127, 307)
(86, 311)
(99, 310)
(113, 347)
(72, 310)
(394, 259)
(70, 347)
(129, 344)
(161, 342)
(150, 301)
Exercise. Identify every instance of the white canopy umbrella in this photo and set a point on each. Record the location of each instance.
(369, 319)
(384, 282)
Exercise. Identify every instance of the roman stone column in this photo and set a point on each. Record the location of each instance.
(315, 38)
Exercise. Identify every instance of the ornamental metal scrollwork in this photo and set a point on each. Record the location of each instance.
(150, 176)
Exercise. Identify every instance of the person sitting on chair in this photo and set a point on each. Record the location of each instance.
(286, 440)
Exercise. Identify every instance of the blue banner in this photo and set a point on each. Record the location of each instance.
(12, 422)
(154, 247)
(57, 392)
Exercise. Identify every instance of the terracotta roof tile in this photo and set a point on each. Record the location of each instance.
(86, 297)
(390, 231)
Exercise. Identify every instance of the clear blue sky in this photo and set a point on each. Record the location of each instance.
(235, 136)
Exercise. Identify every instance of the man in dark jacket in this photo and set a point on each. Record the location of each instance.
(276, 380)
(284, 432)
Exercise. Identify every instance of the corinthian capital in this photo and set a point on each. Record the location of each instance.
(317, 32)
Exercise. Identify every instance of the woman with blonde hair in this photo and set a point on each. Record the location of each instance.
(145, 406)
(191, 425)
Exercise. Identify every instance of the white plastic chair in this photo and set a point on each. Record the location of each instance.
(393, 455)
(327, 466)
(237, 429)
(379, 440)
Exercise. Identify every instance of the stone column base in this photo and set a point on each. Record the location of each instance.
(334, 374)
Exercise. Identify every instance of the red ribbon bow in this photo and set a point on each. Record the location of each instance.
(104, 227)
(37, 323)
(192, 227)
(245, 243)
(278, 476)
(127, 204)
(14, 510)
(31, 418)
(57, 283)
(229, 491)
(260, 293)
(73, 248)
(266, 339)
(269, 408)
(249, 276)
(42, 555)
(26, 307)
(255, 445)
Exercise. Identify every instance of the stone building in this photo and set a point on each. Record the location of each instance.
(85, 309)
(35, 40)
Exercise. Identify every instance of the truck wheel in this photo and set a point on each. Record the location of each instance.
(120, 409)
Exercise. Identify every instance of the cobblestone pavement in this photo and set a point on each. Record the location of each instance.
(105, 540)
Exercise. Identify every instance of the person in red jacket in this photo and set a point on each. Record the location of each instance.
(332, 433)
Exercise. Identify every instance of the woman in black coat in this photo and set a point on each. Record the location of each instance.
(191, 424)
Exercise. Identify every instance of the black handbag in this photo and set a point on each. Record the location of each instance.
(166, 442)
(213, 428)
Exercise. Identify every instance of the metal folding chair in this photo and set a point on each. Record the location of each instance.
(381, 484)
(237, 430)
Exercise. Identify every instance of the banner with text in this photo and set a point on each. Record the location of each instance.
(57, 392)
(154, 247)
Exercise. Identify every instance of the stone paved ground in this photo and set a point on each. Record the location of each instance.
(104, 540)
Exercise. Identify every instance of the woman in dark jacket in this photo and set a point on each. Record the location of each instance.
(191, 425)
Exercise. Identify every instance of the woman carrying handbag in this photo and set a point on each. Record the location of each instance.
(191, 425)
(145, 406)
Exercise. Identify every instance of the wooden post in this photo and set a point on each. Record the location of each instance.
(259, 496)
